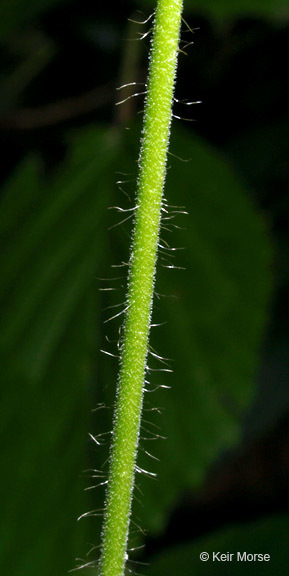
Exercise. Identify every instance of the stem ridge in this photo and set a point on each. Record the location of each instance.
(142, 266)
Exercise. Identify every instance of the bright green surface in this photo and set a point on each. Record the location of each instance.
(141, 281)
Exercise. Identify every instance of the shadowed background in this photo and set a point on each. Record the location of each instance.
(68, 155)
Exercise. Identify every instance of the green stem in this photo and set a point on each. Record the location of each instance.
(152, 168)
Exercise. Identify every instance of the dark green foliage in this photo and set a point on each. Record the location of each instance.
(54, 240)
(214, 308)
(264, 537)
(55, 243)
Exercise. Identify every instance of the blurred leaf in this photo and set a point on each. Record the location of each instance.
(261, 156)
(215, 311)
(53, 234)
(268, 536)
(55, 242)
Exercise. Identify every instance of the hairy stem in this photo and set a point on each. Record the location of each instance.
(152, 168)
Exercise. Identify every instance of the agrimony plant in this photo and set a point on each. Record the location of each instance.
(152, 168)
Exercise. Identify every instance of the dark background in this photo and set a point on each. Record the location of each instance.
(63, 145)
